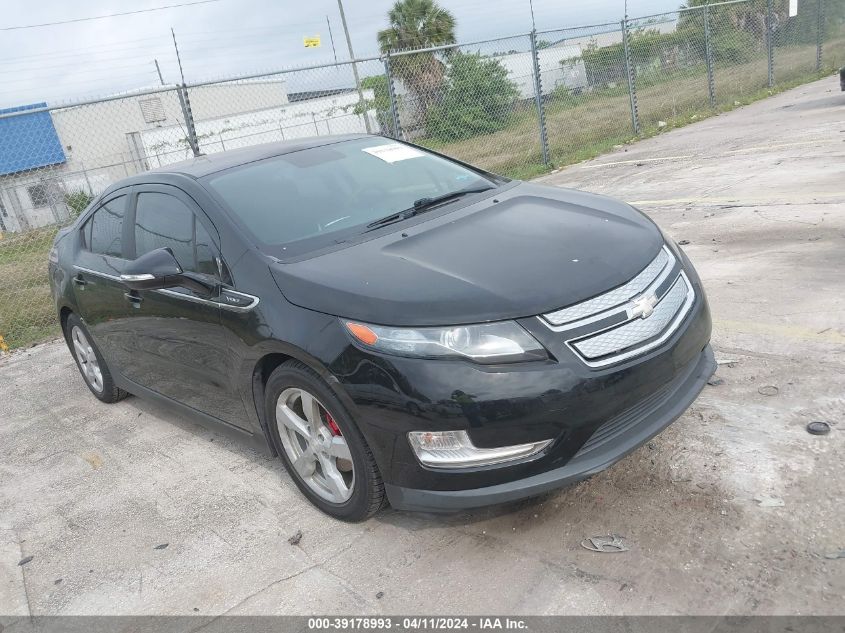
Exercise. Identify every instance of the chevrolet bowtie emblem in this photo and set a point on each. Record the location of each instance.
(642, 306)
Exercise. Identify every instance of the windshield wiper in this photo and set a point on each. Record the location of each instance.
(425, 204)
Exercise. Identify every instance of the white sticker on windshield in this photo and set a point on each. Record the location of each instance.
(394, 152)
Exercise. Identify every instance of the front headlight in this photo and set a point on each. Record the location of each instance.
(503, 342)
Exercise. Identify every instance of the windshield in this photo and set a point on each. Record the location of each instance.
(310, 198)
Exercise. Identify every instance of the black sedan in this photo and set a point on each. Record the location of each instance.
(396, 325)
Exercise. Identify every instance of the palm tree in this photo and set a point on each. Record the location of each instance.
(418, 24)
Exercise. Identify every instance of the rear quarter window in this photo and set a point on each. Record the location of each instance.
(102, 233)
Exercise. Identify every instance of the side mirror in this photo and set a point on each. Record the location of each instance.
(159, 269)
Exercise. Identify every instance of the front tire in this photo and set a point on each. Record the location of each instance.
(90, 362)
(321, 447)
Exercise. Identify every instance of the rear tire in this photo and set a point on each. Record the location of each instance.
(320, 445)
(90, 361)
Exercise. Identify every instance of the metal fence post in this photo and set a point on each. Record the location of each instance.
(770, 44)
(632, 80)
(819, 32)
(538, 99)
(185, 103)
(708, 55)
(391, 92)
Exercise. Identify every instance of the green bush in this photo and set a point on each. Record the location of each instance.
(478, 99)
(77, 201)
(380, 102)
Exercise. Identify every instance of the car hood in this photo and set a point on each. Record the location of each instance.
(530, 250)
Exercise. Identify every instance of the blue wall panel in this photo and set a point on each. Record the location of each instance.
(28, 141)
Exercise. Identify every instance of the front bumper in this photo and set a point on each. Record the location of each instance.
(610, 443)
(562, 399)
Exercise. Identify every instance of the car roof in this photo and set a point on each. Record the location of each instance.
(210, 163)
(206, 164)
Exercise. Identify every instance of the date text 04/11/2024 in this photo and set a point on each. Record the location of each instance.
(418, 623)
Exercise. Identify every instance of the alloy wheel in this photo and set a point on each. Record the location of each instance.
(315, 445)
(88, 363)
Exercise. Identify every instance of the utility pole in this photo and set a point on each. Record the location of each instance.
(158, 70)
(178, 59)
(354, 65)
(185, 103)
(331, 37)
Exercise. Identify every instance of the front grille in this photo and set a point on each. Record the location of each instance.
(629, 320)
(616, 296)
(638, 330)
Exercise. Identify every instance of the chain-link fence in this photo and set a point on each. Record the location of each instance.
(585, 90)
(515, 105)
(476, 101)
(53, 162)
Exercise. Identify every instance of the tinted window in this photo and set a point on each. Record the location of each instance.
(86, 233)
(103, 231)
(162, 221)
(205, 252)
(323, 190)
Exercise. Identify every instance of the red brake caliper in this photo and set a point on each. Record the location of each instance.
(333, 425)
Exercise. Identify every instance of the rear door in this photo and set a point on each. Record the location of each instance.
(180, 349)
(96, 279)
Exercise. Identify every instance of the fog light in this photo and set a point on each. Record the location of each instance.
(454, 449)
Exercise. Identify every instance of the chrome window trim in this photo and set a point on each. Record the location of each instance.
(140, 277)
(620, 309)
(181, 295)
(636, 351)
(225, 306)
(96, 273)
(634, 290)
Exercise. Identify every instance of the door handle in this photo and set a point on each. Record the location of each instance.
(79, 281)
(134, 299)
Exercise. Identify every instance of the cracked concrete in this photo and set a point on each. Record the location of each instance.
(90, 490)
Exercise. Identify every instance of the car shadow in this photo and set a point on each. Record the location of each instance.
(413, 521)
(168, 415)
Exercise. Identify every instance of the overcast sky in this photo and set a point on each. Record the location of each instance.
(229, 37)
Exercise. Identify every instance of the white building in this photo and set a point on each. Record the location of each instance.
(46, 155)
(321, 116)
(559, 66)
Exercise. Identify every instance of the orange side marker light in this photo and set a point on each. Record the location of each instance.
(362, 333)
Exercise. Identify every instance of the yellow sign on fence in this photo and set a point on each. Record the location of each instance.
(311, 42)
